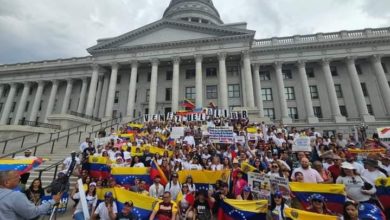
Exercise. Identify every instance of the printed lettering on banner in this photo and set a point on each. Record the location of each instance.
(384, 134)
(177, 132)
(301, 144)
(61, 207)
(221, 135)
(280, 184)
(260, 185)
(240, 140)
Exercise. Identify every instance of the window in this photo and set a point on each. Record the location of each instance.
(116, 97)
(146, 111)
(370, 111)
(290, 93)
(137, 78)
(136, 93)
(190, 74)
(190, 93)
(358, 69)
(6, 91)
(333, 71)
(30, 91)
(211, 92)
(287, 73)
(114, 113)
(265, 75)
(384, 67)
(40, 105)
(70, 104)
(211, 72)
(13, 106)
(168, 75)
(18, 90)
(267, 94)
(1, 106)
(364, 89)
(317, 111)
(134, 112)
(25, 108)
(149, 76)
(310, 72)
(147, 95)
(343, 110)
(233, 70)
(269, 113)
(293, 112)
(9, 121)
(313, 92)
(168, 94)
(339, 91)
(234, 90)
(118, 79)
(55, 105)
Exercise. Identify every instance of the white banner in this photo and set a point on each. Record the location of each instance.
(301, 144)
(177, 132)
(221, 135)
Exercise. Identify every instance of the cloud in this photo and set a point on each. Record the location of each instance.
(46, 29)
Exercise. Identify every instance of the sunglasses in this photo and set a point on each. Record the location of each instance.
(317, 200)
(275, 167)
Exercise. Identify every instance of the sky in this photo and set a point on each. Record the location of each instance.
(51, 29)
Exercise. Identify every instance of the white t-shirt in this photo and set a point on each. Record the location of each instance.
(174, 189)
(372, 176)
(140, 164)
(102, 211)
(190, 140)
(68, 161)
(216, 166)
(91, 202)
(278, 212)
(83, 146)
(387, 168)
(309, 175)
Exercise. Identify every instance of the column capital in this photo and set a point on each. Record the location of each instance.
(27, 83)
(84, 79)
(245, 54)
(95, 67)
(256, 65)
(350, 60)
(301, 63)
(198, 57)
(376, 58)
(155, 61)
(55, 81)
(134, 63)
(277, 64)
(222, 56)
(176, 60)
(325, 61)
(115, 65)
(70, 80)
(41, 82)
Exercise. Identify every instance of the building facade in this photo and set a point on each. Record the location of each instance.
(316, 79)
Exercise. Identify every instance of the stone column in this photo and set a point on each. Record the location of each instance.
(382, 80)
(52, 98)
(243, 87)
(111, 90)
(92, 90)
(37, 101)
(282, 97)
(132, 89)
(248, 80)
(175, 84)
(357, 91)
(98, 97)
(103, 101)
(334, 104)
(153, 87)
(1, 90)
(306, 92)
(8, 104)
(68, 92)
(222, 78)
(199, 81)
(80, 107)
(258, 95)
(22, 103)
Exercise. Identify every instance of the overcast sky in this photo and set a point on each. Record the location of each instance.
(51, 29)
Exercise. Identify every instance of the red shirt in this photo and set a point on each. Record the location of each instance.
(335, 171)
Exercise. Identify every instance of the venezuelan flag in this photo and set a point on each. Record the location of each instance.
(305, 215)
(20, 165)
(383, 191)
(99, 167)
(252, 130)
(155, 170)
(143, 205)
(333, 193)
(101, 191)
(246, 167)
(127, 175)
(203, 178)
(135, 125)
(152, 149)
(231, 209)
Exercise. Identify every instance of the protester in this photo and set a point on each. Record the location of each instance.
(35, 192)
(309, 175)
(106, 210)
(165, 209)
(278, 204)
(350, 211)
(202, 208)
(14, 204)
(127, 212)
(318, 205)
(90, 196)
(186, 204)
(156, 190)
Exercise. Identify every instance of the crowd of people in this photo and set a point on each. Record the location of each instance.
(269, 153)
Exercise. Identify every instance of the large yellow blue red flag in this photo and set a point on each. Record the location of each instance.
(334, 194)
(232, 209)
(20, 165)
(204, 178)
(383, 191)
(296, 214)
(155, 170)
(127, 175)
(99, 167)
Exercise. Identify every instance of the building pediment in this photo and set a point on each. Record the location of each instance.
(167, 31)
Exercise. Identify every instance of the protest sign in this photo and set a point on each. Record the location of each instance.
(177, 132)
(301, 144)
(384, 134)
(280, 184)
(221, 135)
(260, 185)
(61, 207)
(240, 140)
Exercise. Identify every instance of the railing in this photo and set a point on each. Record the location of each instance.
(39, 124)
(55, 166)
(82, 115)
(321, 37)
(20, 138)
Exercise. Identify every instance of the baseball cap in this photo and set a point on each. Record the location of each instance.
(108, 194)
(92, 184)
(129, 203)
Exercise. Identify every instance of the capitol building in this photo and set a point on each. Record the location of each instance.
(327, 80)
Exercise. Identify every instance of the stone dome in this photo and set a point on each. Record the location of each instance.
(200, 11)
